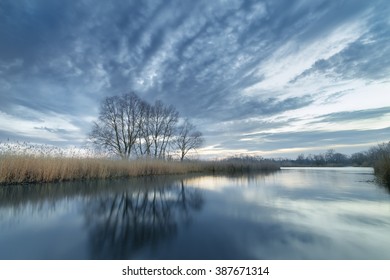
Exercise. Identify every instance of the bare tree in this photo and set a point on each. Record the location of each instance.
(128, 126)
(157, 125)
(163, 124)
(188, 138)
(144, 138)
(118, 126)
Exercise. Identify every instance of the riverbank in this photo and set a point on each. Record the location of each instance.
(17, 169)
(382, 170)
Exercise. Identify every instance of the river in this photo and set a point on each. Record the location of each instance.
(295, 213)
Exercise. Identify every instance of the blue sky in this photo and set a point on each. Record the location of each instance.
(273, 78)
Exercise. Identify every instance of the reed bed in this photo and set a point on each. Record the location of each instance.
(18, 169)
(382, 170)
(381, 162)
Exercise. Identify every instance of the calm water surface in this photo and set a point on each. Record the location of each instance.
(296, 213)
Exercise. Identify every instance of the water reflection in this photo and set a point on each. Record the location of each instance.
(337, 213)
(108, 219)
(124, 222)
(384, 185)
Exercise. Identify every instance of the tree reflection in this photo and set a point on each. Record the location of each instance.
(386, 186)
(124, 222)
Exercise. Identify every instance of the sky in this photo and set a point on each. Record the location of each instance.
(273, 78)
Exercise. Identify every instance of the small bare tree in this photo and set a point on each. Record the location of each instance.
(188, 138)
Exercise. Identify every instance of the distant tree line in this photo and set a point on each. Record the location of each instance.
(131, 127)
(329, 158)
(333, 158)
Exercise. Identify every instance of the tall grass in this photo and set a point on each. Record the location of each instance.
(382, 163)
(30, 169)
(17, 169)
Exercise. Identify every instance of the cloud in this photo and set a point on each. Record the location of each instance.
(359, 115)
(292, 143)
(365, 58)
(52, 130)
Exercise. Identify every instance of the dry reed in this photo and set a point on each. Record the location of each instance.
(382, 169)
(17, 169)
(381, 157)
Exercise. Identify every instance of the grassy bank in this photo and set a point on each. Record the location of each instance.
(18, 169)
(382, 169)
(381, 162)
